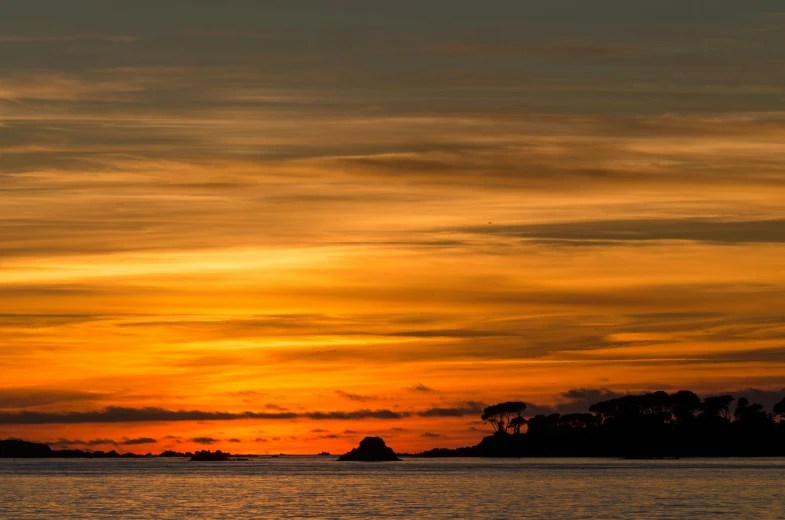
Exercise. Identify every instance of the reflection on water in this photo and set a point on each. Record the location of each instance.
(316, 487)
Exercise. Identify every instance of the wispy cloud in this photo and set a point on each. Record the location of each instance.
(608, 232)
(26, 397)
(104, 442)
(271, 210)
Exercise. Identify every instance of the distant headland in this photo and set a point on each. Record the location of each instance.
(19, 449)
(651, 425)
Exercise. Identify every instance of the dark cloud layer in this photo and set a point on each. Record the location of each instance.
(105, 442)
(606, 231)
(204, 440)
(537, 409)
(463, 408)
(355, 397)
(578, 400)
(116, 414)
(768, 398)
(357, 414)
(141, 440)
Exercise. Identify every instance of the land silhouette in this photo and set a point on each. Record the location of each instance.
(217, 456)
(650, 425)
(19, 449)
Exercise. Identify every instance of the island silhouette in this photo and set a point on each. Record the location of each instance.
(371, 449)
(649, 425)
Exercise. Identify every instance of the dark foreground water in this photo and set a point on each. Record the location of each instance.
(320, 487)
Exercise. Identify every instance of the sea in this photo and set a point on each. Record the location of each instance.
(321, 487)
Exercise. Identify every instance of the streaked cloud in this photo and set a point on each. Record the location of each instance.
(462, 409)
(608, 232)
(11, 398)
(114, 414)
(295, 210)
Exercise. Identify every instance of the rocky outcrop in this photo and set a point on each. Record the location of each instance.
(371, 449)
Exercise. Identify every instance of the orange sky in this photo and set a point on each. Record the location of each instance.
(203, 213)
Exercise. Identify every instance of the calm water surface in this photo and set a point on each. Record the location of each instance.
(320, 487)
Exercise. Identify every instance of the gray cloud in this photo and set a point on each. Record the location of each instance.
(578, 400)
(357, 414)
(96, 442)
(204, 440)
(355, 397)
(768, 398)
(575, 50)
(104, 442)
(463, 408)
(68, 442)
(609, 231)
(768, 355)
(116, 414)
(536, 409)
(141, 440)
(447, 333)
(25, 397)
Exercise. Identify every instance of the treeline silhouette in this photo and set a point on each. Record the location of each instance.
(16, 448)
(650, 425)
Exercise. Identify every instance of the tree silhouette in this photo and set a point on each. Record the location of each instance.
(504, 416)
(717, 406)
(779, 408)
(684, 404)
(751, 414)
(742, 408)
(492, 415)
(516, 423)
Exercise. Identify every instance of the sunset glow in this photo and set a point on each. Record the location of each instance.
(350, 229)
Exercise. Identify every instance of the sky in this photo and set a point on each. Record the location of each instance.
(273, 227)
